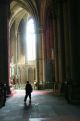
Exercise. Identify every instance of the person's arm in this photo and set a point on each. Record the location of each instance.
(31, 88)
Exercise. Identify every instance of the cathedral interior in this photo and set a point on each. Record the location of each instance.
(54, 38)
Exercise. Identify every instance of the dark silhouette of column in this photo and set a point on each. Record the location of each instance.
(4, 63)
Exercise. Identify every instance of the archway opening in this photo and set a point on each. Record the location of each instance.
(22, 49)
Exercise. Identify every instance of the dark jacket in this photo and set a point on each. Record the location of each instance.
(28, 88)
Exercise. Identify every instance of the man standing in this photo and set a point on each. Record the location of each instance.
(28, 90)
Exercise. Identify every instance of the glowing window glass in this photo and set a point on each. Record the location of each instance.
(31, 40)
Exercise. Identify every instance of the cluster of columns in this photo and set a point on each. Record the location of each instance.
(64, 35)
(66, 41)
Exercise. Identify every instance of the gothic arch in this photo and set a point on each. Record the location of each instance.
(27, 6)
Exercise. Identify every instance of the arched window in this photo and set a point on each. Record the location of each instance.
(31, 40)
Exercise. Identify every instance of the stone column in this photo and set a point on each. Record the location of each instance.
(55, 17)
(4, 62)
(43, 58)
(66, 41)
(56, 51)
(74, 41)
(39, 63)
(61, 43)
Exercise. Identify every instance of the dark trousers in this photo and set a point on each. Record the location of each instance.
(25, 98)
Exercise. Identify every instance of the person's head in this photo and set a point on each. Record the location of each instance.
(27, 82)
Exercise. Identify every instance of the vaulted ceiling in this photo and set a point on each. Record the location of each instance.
(21, 8)
(26, 8)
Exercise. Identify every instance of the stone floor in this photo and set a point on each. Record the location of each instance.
(45, 107)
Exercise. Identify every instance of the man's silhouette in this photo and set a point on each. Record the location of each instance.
(28, 89)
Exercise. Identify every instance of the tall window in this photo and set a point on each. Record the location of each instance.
(31, 40)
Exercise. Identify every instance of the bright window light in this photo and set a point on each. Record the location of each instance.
(30, 41)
